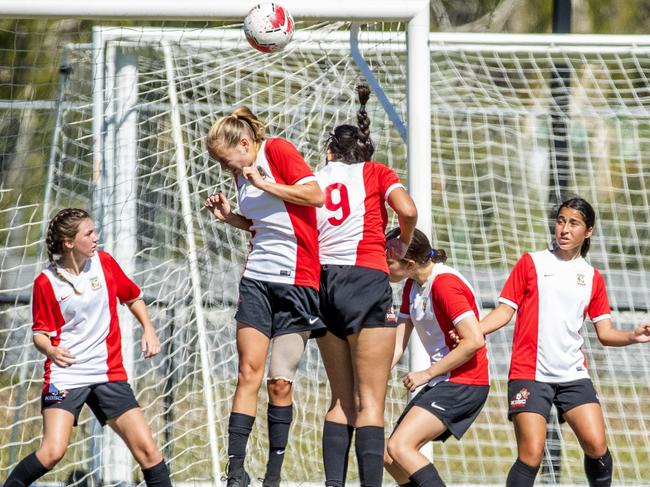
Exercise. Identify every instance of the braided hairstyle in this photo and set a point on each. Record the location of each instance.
(64, 226)
(420, 250)
(228, 130)
(349, 143)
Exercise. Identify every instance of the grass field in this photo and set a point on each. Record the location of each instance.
(484, 455)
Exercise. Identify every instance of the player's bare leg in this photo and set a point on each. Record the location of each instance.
(588, 424)
(416, 429)
(339, 420)
(372, 353)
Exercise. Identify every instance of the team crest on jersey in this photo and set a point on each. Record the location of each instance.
(94, 283)
(520, 399)
(581, 280)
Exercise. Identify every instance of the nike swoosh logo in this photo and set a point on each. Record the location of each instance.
(311, 322)
(434, 405)
(279, 452)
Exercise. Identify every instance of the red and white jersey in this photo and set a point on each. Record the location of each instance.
(435, 309)
(86, 323)
(285, 238)
(352, 222)
(552, 298)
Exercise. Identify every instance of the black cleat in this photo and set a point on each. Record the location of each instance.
(238, 479)
(271, 483)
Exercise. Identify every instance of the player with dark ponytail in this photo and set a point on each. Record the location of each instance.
(436, 300)
(552, 291)
(355, 295)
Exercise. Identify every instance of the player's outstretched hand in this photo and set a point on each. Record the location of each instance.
(642, 333)
(218, 205)
(149, 344)
(396, 248)
(61, 356)
(413, 380)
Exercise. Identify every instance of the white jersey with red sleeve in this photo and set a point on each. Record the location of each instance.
(353, 220)
(435, 309)
(85, 323)
(285, 237)
(552, 298)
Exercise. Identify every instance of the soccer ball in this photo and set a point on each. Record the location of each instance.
(268, 27)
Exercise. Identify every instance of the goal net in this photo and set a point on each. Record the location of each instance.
(121, 132)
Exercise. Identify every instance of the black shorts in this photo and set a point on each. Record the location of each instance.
(456, 405)
(531, 396)
(107, 400)
(277, 309)
(353, 297)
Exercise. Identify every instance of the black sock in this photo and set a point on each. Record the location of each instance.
(369, 446)
(157, 476)
(279, 418)
(28, 470)
(599, 470)
(337, 439)
(427, 476)
(239, 429)
(521, 475)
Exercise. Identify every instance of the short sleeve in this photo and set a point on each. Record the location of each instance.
(287, 164)
(126, 290)
(514, 289)
(46, 315)
(449, 295)
(405, 307)
(388, 180)
(598, 308)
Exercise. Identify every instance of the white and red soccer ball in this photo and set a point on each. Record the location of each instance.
(269, 27)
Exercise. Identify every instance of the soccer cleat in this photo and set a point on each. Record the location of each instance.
(238, 479)
(270, 483)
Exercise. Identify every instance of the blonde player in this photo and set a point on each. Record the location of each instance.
(552, 292)
(355, 295)
(76, 327)
(278, 293)
(437, 300)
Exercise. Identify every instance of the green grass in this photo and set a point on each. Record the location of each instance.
(484, 454)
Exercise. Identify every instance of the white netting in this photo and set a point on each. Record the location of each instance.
(492, 137)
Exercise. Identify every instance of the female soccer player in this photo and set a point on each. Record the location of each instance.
(278, 293)
(552, 292)
(76, 327)
(355, 295)
(436, 300)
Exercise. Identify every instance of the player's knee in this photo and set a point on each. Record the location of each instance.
(531, 457)
(147, 454)
(595, 448)
(50, 455)
(279, 390)
(249, 374)
(397, 449)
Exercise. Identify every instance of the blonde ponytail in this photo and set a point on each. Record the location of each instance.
(228, 130)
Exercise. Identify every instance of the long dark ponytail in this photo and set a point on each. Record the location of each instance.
(349, 143)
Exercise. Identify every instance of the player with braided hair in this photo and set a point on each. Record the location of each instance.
(278, 293)
(76, 327)
(355, 295)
